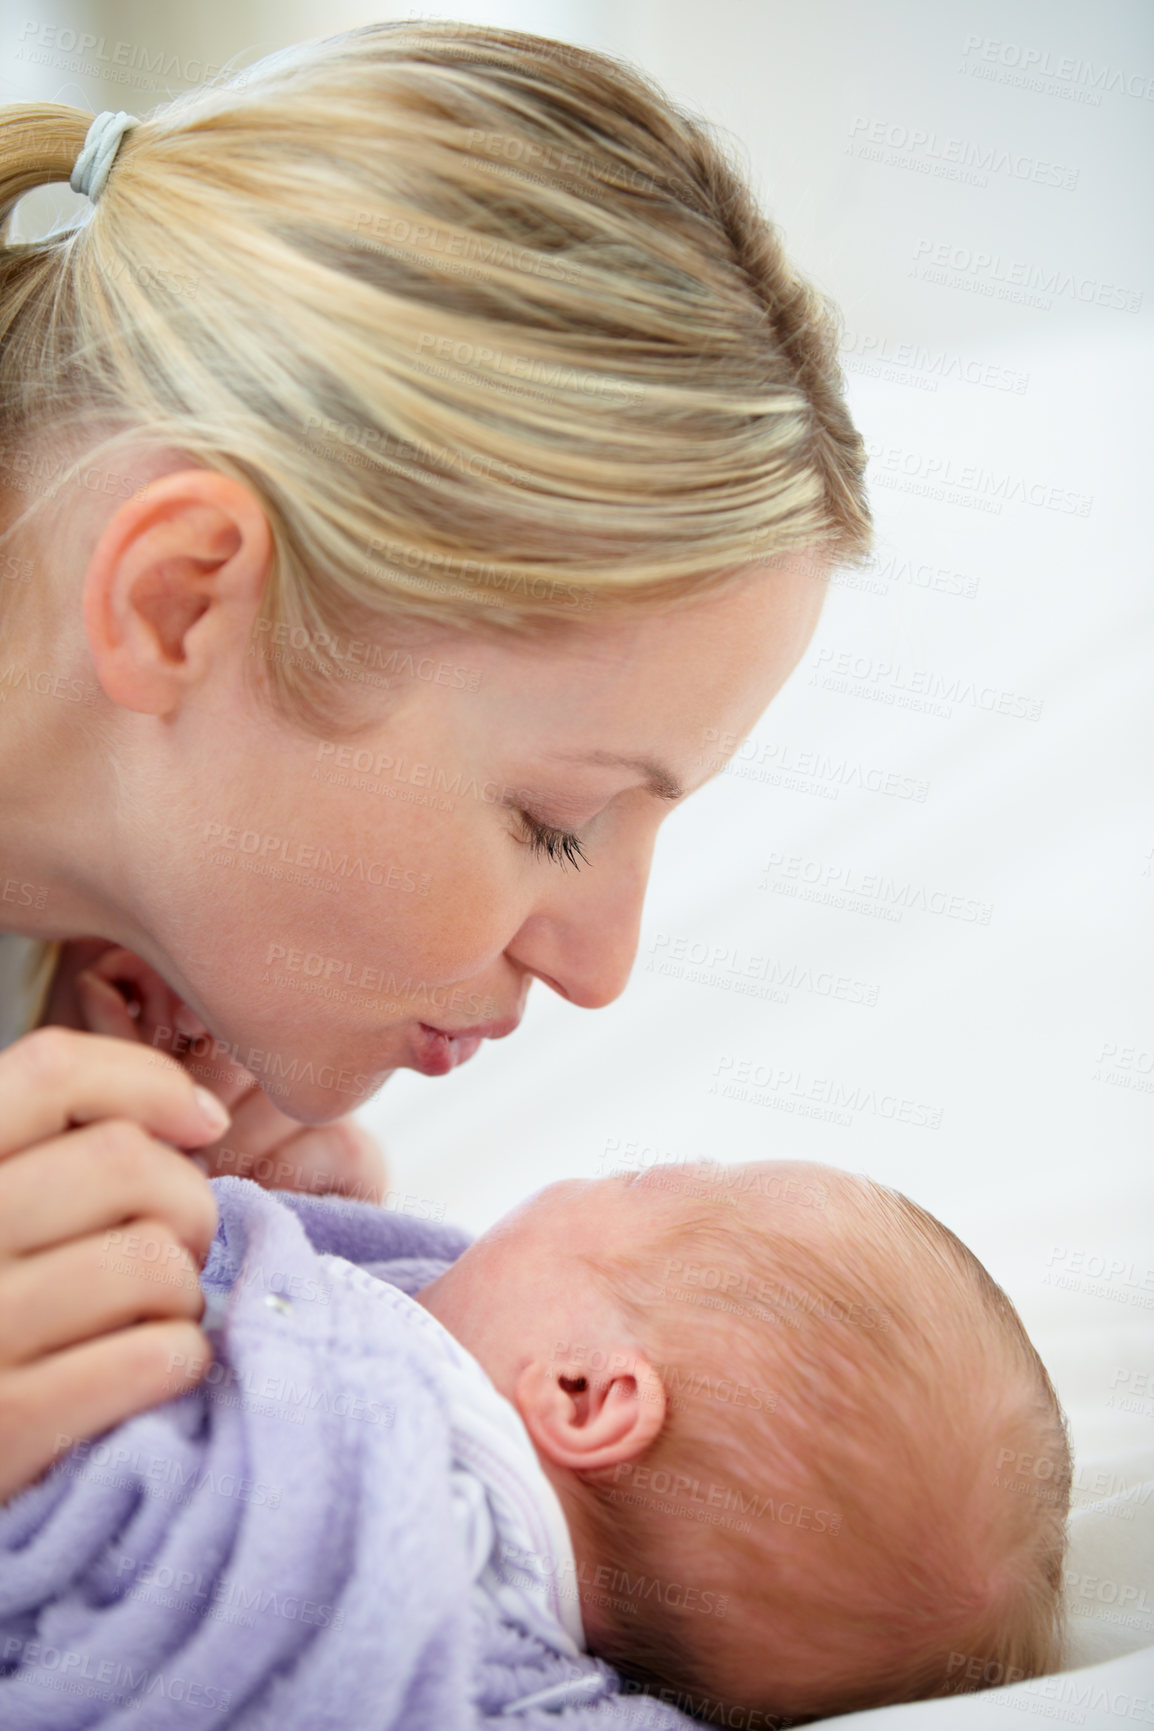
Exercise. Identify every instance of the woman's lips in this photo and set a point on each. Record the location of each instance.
(435, 1052)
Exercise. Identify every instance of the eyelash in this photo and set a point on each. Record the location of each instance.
(559, 845)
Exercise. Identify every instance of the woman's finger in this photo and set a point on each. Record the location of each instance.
(135, 1273)
(70, 1396)
(95, 1179)
(55, 1078)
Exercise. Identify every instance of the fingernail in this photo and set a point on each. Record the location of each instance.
(215, 1115)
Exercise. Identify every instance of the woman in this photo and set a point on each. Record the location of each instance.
(420, 458)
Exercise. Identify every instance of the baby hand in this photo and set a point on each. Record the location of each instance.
(116, 993)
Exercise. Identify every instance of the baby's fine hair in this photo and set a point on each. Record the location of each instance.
(494, 330)
(864, 1472)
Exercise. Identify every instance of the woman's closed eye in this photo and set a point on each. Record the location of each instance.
(559, 845)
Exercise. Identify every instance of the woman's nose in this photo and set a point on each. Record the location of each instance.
(582, 938)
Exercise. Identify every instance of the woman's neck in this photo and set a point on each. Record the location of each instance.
(57, 780)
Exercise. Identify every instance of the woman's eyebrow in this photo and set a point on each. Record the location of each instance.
(657, 777)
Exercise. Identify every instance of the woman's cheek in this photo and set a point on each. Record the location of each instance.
(443, 924)
(470, 915)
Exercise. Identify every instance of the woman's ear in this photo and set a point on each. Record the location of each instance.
(175, 578)
(586, 1420)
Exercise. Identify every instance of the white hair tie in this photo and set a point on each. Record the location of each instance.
(98, 150)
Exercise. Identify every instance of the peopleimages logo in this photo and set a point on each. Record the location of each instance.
(921, 148)
(224, 841)
(116, 62)
(1022, 64)
(989, 273)
(115, 1681)
(183, 1588)
(873, 893)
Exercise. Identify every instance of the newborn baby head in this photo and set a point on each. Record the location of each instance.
(809, 1459)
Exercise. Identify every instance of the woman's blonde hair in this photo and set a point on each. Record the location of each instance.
(494, 330)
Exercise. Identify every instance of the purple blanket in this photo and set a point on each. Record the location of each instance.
(276, 1548)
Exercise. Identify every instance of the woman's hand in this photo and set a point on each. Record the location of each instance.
(111, 991)
(103, 1227)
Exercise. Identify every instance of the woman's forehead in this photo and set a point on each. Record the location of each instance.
(668, 679)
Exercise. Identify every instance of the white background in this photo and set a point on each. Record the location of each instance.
(885, 139)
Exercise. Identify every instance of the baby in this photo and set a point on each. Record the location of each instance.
(793, 1424)
(765, 1438)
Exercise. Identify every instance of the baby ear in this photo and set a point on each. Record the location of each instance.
(123, 996)
(586, 1420)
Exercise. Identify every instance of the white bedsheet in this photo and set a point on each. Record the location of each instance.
(962, 828)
